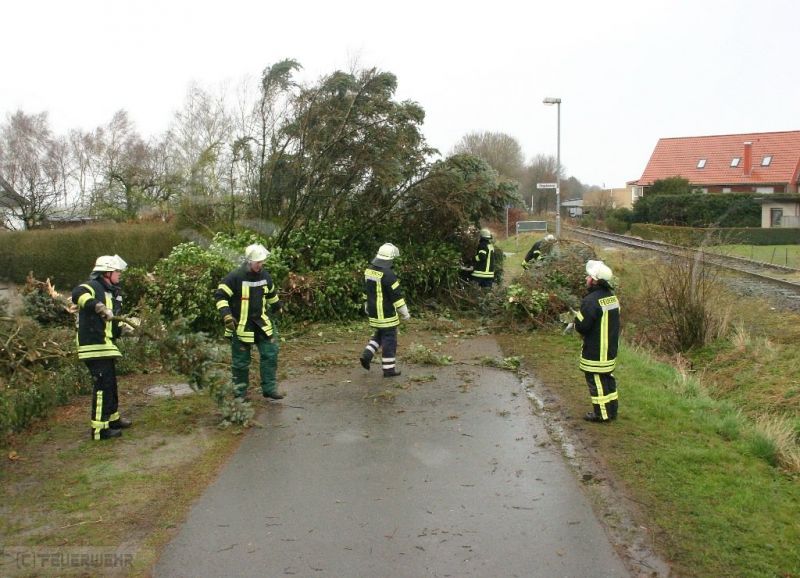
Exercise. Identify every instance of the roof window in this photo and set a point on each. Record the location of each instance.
(701, 163)
(735, 161)
(766, 160)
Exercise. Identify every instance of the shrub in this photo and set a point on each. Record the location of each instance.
(698, 210)
(66, 256)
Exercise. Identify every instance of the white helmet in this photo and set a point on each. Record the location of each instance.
(549, 237)
(598, 270)
(256, 252)
(486, 234)
(387, 252)
(110, 263)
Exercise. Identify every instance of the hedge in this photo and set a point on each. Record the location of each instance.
(699, 210)
(66, 256)
(695, 236)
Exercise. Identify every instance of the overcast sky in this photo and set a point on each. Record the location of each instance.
(628, 72)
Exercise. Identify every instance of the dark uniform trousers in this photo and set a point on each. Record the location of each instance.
(268, 361)
(603, 391)
(384, 339)
(105, 397)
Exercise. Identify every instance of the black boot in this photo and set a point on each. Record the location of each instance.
(366, 359)
(591, 416)
(107, 434)
(391, 372)
(120, 423)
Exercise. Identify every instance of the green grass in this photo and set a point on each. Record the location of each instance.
(66, 491)
(706, 478)
(787, 255)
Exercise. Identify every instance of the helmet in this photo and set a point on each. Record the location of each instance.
(110, 263)
(387, 252)
(256, 252)
(598, 270)
(486, 234)
(549, 237)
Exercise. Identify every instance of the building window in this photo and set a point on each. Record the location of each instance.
(735, 161)
(701, 163)
(726, 189)
(766, 160)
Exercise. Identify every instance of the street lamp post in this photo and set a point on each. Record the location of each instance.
(557, 101)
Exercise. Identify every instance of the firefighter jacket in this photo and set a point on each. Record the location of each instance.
(536, 251)
(484, 260)
(245, 294)
(95, 335)
(383, 295)
(598, 323)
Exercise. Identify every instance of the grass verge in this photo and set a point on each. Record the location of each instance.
(700, 470)
(62, 492)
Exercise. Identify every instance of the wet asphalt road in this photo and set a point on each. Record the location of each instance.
(352, 476)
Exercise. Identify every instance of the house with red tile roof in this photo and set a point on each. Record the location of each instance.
(766, 164)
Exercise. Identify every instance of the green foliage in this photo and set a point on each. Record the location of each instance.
(511, 363)
(39, 370)
(698, 210)
(531, 301)
(184, 283)
(66, 256)
(422, 355)
(669, 186)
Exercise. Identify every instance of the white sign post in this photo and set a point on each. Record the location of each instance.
(558, 203)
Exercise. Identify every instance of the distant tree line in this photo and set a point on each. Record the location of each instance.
(504, 154)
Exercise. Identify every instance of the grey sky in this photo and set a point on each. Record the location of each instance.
(628, 72)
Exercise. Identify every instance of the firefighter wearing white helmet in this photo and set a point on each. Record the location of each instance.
(384, 305)
(539, 249)
(484, 264)
(598, 323)
(247, 302)
(99, 301)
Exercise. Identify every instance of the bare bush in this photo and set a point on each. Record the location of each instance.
(687, 304)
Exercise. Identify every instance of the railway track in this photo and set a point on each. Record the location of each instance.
(768, 278)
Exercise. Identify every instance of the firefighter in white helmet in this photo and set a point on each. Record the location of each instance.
(384, 306)
(598, 323)
(484, 262)
(245, 298)
(539, 249)
(99, 300)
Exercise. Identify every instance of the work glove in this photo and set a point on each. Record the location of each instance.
(125, 330)
(103, 311)
(404, 312)
(230, 322)
(525, 265)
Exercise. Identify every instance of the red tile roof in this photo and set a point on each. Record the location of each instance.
(679, 157)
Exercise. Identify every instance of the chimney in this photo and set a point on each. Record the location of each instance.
(747, 161)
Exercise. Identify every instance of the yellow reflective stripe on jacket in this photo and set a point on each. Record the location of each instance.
(228, 291)
(86, 296)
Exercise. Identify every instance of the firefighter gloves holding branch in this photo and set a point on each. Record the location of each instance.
(103, 312)
(230, 322)
(404, 312)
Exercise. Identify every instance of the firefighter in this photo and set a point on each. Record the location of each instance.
(384, 305)
(483, 268)
(99, 300)
(538, 250)
(598, 324)
(244, 298)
